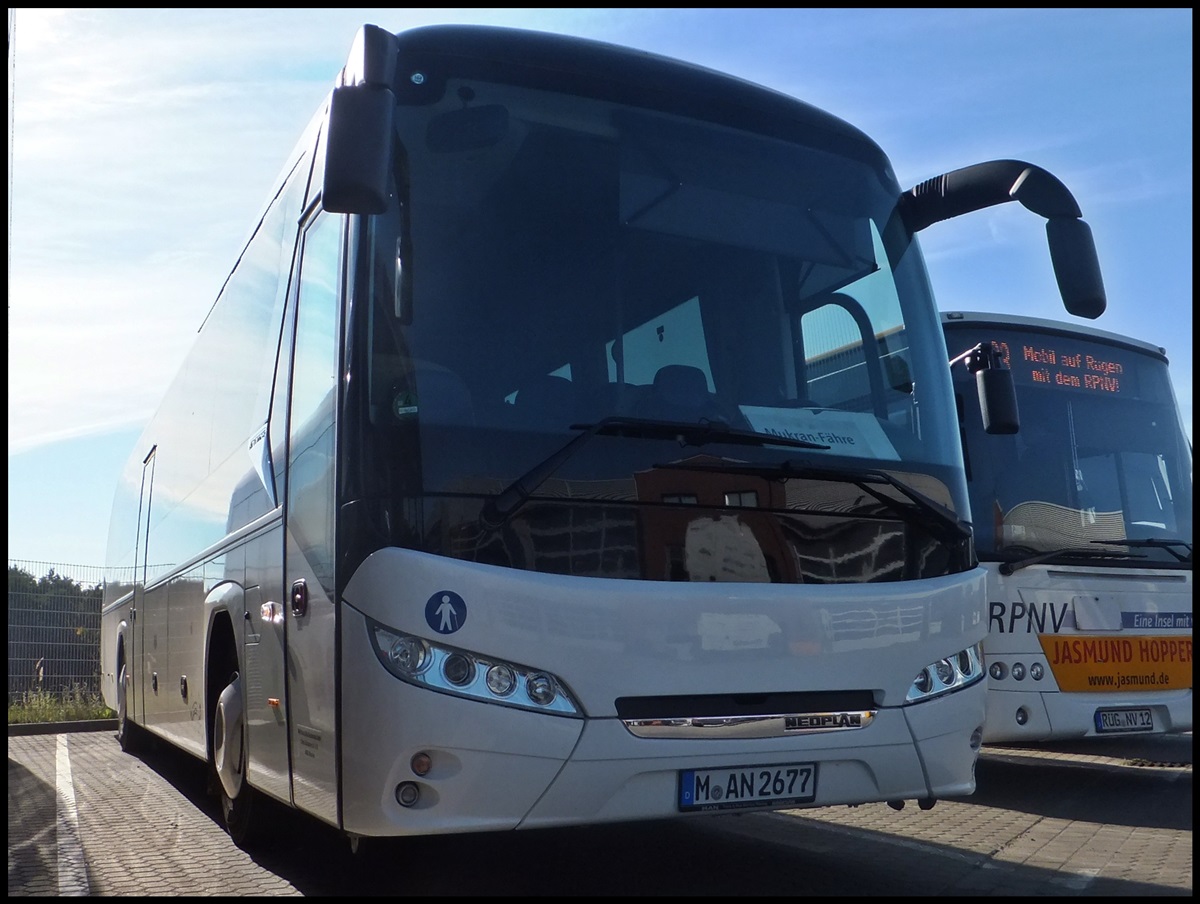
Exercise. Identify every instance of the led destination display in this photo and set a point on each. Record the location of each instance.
(1051, 365)
(1043, 360)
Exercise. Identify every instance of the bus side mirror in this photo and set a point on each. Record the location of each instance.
(995, 386)
(998, 401)
(358, 150)
(1072, 252)
(1076, 266)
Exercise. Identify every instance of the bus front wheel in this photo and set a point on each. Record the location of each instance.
(239, 805)
(130, 736)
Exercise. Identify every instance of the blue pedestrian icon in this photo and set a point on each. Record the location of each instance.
(445, 612)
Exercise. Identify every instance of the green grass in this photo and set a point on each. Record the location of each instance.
(75, 705)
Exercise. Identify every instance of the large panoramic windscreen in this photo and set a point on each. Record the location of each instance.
(1100, 458)
(567, 260)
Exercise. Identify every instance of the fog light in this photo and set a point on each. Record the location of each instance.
(977, 738)
(407, 793)
(1018, 671)
(1036, 671)
(1022, 715)
(997, 671)
(421, 763)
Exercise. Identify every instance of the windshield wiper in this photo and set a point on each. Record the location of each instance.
(500, 508)
(1007, 568)
(1157, 543)
(924, 511)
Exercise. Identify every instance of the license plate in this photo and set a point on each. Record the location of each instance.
(1124, 720)
(747, 786)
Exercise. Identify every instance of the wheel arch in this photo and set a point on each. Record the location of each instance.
(222, 650)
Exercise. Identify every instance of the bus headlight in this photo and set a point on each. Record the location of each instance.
(501, 680)
(465, 674)
(541, 689)
(458, 669)
(953, 673)
(409, 654)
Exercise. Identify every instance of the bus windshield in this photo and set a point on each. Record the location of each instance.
(1101, 466)
(555, 260)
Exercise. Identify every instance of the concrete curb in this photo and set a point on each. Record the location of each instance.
(36, 728)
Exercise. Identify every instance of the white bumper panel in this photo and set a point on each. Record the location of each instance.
(1066, 716)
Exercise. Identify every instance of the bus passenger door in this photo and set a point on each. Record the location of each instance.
(266, 598)
(310, 514)
(138, 664)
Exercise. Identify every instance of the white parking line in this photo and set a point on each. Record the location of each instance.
(72, 869)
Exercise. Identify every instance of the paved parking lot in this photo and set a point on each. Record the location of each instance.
(1111, 817)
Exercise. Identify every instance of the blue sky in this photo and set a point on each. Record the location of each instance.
(142, 143)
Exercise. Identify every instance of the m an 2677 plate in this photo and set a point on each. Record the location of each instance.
(740, 787)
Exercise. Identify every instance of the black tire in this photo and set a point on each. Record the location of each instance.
(131, 736)
(242, 808)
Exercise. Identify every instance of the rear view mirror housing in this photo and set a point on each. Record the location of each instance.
(358, 150)
(996, 389)
(1076, 266)
(1072, 251)
(358, 139)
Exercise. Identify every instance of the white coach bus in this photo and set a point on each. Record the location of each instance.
(492, 495)
(1083, 520)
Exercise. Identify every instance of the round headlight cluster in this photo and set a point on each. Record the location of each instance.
(464, 674)
(961, 670)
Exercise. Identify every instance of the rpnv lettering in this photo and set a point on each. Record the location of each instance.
(1030, 618)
